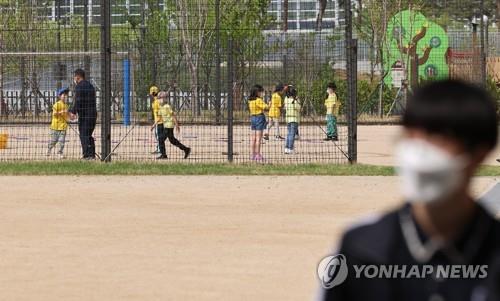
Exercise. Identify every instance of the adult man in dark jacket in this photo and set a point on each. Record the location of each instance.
(86, 108)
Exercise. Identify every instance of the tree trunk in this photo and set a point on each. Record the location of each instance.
(3, 107)
(238, 86)
(193, 76)
(373, 57)
(498, 10)
(360, 11)
(285, 15)
(193, 43)
(320, 14)
(381, 93)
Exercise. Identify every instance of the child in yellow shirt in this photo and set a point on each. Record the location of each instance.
(275, 112)
(59, 123)
(332, 105)
(257, 106)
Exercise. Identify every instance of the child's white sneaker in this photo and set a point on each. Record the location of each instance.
(288, 151)
(61, 156)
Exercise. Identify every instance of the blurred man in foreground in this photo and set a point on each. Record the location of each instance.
(441, 244)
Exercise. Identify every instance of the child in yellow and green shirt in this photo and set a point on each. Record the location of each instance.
(332, 105)
(59, 123)
(166, 128)
(292, 117)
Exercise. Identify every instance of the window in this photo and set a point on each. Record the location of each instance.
(308, 6)
(308, 15)
(79, 10)
(273, 7)
(135, 9)
(329, 14)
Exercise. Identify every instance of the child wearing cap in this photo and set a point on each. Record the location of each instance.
(155, 106)
(59, 122)
(166, 127)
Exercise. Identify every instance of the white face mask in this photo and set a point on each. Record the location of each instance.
(427, 172)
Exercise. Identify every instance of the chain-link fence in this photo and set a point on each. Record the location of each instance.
(206, 56)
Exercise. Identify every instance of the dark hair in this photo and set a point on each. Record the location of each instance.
(80, 73)
(332, 86)
(456, 110)
(254, 93)
(279, 88)
(292, 92)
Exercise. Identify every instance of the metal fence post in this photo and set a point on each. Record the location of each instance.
(23, 86)
(285, 68)
(126, 92)
(483, 53)
(351, 70)
(86, 37)
(230, 100)
(142, 56)
(353, 131)
(217, 64)
(106, 80)
(58, 39)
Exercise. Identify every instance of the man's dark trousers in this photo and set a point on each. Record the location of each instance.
(86, 128)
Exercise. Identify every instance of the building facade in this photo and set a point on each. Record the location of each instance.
(121, 9)
(302, 14)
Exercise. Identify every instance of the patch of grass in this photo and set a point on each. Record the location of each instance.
(130, 168)
(489, 171)
(144, 169)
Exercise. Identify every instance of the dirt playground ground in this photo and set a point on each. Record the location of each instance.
(208, 144)
(177, 238)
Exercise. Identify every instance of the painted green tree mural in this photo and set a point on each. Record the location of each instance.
(417, 43)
